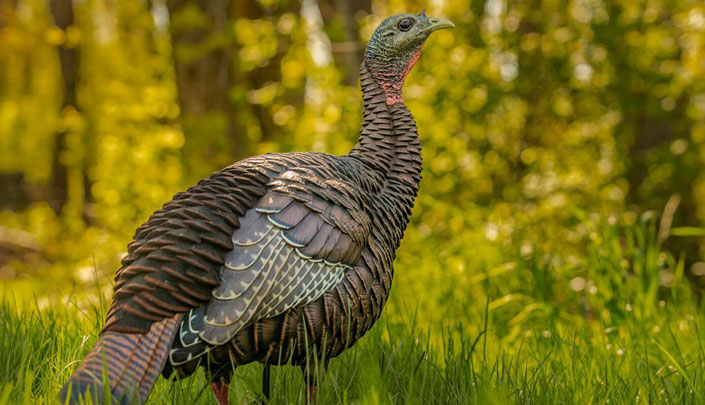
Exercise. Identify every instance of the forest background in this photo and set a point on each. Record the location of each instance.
(564, 146)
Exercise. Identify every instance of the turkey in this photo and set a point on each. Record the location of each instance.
(274, 259)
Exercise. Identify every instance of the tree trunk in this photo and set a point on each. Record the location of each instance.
(347, 49)
(270, 72)
(204, 78)
(62, 12)
(7, 9)
(207, 74)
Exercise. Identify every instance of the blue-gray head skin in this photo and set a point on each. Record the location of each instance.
(395, 47)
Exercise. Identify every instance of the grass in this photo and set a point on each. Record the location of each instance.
(622, 326)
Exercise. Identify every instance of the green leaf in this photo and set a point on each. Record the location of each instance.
(688, 231)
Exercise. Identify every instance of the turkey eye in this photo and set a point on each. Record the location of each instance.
(405, 25)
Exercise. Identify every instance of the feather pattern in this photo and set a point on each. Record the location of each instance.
(338, 224)
(276, 254)
(264, 278)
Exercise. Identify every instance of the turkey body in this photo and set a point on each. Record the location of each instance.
(333, 224)
(278, 258)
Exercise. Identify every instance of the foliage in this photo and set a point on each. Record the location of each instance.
(539, 110)
(562, 142)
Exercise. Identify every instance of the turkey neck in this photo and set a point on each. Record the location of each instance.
(389, 144)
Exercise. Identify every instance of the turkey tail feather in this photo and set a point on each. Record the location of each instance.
(132, 363)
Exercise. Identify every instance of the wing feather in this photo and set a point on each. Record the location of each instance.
(289, 250)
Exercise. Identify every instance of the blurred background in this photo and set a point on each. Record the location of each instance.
(548, 128)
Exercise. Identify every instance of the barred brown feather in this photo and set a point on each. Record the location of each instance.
(272, 259)
(131, 363)
(365, 200)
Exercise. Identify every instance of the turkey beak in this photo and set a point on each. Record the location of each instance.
(436, 24)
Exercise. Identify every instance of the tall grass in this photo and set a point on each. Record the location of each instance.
(620, 326)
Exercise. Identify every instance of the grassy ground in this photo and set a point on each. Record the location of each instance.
(630, 332)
